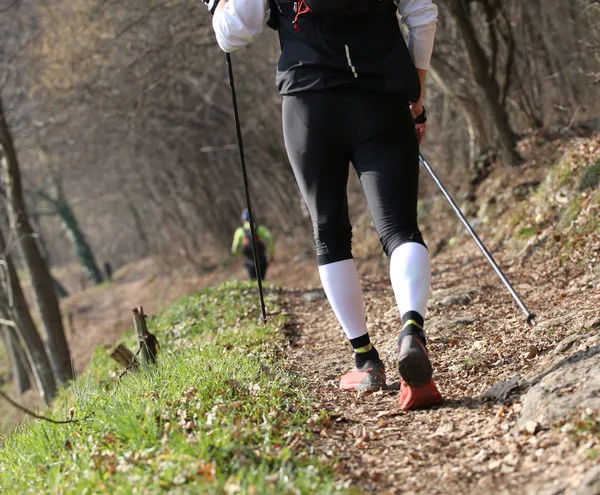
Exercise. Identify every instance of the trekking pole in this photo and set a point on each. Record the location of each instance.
(530, 316)
(246, 188)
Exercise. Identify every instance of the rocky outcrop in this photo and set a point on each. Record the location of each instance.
(570, 384)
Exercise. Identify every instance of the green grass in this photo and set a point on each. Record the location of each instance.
(588, 426)
(585, 427)
(470, 362)
(218, 414)
(526, 233)
(593, 454)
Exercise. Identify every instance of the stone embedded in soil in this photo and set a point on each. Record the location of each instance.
(501, 390)
(452, 297)
(566, 344)
(458, 299)
(439, 323)
(570, 384)
(552, 490)
(579, 321)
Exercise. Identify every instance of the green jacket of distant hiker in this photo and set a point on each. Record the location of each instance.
(242, 243)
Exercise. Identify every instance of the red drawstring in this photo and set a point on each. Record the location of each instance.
(303, 8)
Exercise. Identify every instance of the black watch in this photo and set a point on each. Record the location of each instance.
(421, 119)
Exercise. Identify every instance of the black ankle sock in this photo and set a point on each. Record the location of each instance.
(361, 359)
(363, 350)
(412, 324)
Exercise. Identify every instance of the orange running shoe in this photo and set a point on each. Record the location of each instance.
(369, 378)
(417, 398)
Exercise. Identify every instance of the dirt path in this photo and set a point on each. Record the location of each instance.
(477, 337)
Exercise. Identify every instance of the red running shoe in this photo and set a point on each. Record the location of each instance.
(369, 378)
(417, 398)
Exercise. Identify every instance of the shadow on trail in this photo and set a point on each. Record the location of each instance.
(470, 403)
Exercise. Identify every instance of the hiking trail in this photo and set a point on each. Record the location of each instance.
(477, 338)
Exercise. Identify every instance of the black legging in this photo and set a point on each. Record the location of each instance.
(263, 265)
(326, 130)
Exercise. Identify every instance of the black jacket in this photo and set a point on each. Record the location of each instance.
(324, 47)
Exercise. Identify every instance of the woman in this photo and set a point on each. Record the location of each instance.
(353, 92)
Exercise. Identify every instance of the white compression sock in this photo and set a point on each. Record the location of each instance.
(342, 286)
(410, 273)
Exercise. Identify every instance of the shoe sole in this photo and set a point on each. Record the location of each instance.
(364, 387)
(371, 384)
(414, 365)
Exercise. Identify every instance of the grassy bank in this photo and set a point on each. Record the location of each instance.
(219, 414)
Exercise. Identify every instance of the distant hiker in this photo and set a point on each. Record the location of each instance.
(353, 92)
(242, 245)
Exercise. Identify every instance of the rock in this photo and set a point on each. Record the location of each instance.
(578, 321)
(482, 456)
(566, 344)
(553, 490)
(314, 295)
(444, 430)
(569, 385)
(499, 391)
(532, 427)
(438, 323)
(453, 296)
(578, 341)
(591, 483)
(466, 320)
(457, 299)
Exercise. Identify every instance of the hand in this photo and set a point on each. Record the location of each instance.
(212, 5)
(417, 109)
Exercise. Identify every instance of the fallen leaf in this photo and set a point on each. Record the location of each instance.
(533, 352)
(360, 442)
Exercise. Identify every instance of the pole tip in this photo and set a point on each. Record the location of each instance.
(531, 320)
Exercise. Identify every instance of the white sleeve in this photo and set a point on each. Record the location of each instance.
(420, 16)
(238, 22)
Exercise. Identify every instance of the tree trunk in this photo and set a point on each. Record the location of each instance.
(73, 231)
(471, 109)
(12, 299)
(138, 224)
(17, 358)
(41, 281)
(59, 288)
(79, 243)
(487, 82)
